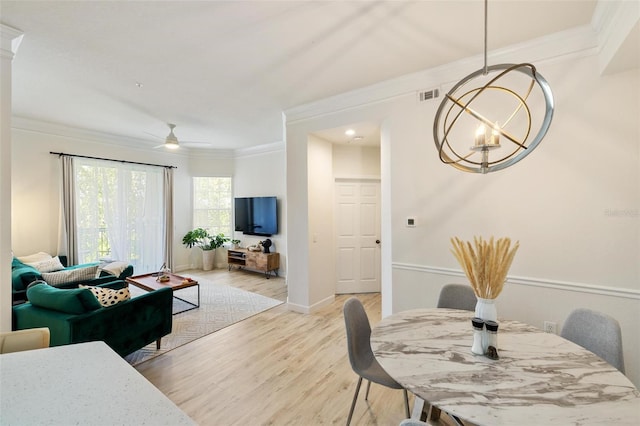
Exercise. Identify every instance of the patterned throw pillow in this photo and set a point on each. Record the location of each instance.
(49, 265)
(108, 296)
(70, 275)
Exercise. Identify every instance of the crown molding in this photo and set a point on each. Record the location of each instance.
(617, 26)
(610, 17)
(10, 39)
(579, 41)
(260, 149)
(55, 129)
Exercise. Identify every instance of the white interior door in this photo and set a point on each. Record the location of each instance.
(357, 221)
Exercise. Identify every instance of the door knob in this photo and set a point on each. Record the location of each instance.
(377, 241)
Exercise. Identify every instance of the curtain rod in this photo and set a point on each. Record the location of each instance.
(111, 159)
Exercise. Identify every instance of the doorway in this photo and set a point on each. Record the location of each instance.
(355, 172)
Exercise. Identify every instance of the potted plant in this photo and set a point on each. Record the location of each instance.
(208, 243)
(235, 243)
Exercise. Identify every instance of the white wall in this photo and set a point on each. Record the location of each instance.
(573, 203)
(7, 50)
(321, 271)
(297, 221)
(352, 161)
(263, 174)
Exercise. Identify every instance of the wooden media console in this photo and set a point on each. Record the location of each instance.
(254, 260)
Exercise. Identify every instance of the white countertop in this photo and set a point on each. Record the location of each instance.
(81, 384)
(540, 378)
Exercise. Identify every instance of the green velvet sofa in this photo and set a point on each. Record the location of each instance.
(75, 316)
(22, 275)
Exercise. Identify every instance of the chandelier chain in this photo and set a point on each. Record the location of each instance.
(486, 7)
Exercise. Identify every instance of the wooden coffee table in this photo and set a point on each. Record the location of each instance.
(149, 282)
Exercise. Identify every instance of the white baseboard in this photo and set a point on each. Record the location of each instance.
(310, 309)
(625, 293)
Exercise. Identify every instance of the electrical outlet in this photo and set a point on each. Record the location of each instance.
(550, 327)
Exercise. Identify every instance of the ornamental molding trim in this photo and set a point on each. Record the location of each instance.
(624, 293)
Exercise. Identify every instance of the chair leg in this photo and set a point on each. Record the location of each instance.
(366, 396)
(353, 403)
(406, 403)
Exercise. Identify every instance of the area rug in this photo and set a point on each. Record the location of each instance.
(220, 307)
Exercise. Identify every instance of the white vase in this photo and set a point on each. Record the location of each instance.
(208, 259)
(486, 309)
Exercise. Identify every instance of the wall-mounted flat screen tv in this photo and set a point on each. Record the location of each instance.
(256, 215)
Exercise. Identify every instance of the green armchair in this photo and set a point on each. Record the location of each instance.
(75, 316)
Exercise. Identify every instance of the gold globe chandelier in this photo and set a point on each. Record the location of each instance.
(484, 122)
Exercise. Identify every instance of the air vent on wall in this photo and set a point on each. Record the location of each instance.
(427, 95)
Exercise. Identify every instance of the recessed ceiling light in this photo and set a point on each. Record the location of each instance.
(350, 132)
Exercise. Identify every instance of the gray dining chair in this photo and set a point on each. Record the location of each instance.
(361, 357)
(597, 332)
(457, 296)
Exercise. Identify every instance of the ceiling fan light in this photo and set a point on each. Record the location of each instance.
(172, 144)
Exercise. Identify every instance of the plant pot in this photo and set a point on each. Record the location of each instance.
(208, 259)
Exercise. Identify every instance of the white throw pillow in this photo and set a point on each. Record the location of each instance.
(70, 275)
(114, 268)
(34, 258)
(49, 265)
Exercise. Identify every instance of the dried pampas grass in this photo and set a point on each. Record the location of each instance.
(487, 265)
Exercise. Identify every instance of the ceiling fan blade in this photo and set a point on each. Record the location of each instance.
(155, 136)
(196, 144)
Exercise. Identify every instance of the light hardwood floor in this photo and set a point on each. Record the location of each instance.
(275, 368)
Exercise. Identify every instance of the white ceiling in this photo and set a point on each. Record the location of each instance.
(224, 71)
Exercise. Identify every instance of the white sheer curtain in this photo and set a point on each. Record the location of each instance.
(123, 204)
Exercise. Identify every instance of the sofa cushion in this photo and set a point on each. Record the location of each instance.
(49, 265)
(108, 296)
(70, 275)
(74, 301)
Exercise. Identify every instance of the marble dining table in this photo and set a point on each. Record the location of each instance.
(539, 378)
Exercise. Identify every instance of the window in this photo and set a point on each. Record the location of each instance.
(120, 214)
(212, 204)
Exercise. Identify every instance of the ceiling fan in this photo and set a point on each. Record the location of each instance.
(171, 141)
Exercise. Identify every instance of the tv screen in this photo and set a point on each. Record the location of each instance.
(256, 215)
